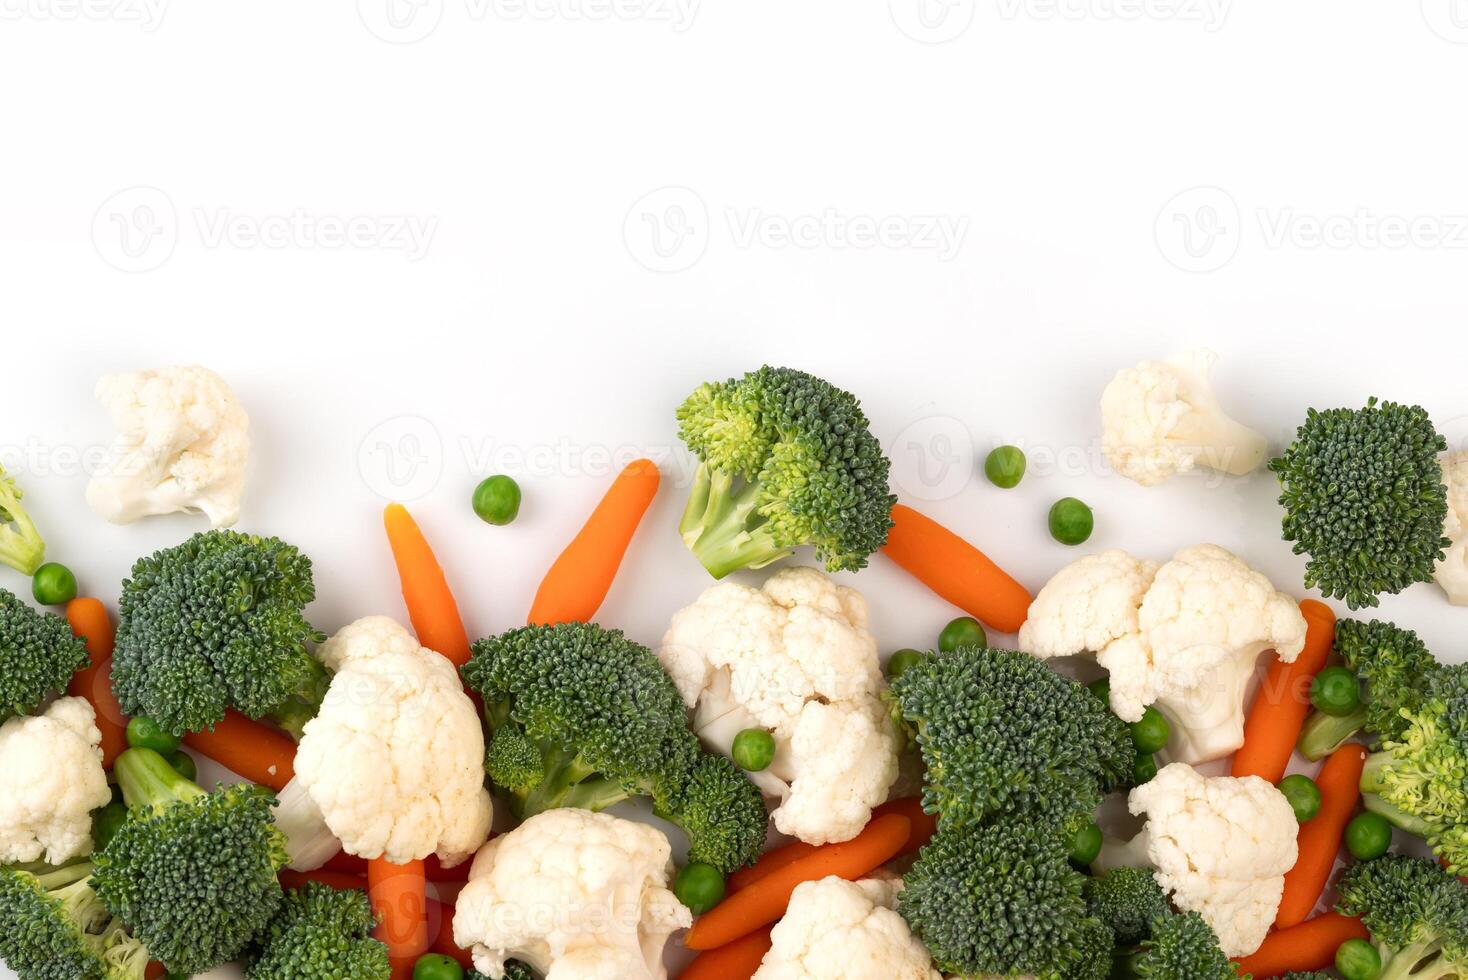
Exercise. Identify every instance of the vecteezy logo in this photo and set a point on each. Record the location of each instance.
(932, 21)
(667, 230)
(136, 229)
(400, 21)
(933, 458)
(401, 458)
(1447, 18)
(1199, 230)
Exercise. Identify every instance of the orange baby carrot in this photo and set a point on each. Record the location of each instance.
(322, 876)
(400, 902)
(431, 605)
(1320, 838)
(1311, 945)
(1279, 710)
(441, 922)
(247, 748)
(924, 824)
(433, 869)
(89, 620)
(768, 863)
(733, 961)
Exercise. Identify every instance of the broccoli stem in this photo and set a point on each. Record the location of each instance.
(1408, 963)
(21, 545)
(563, 771)
(1396, 816)
(596, 794)
(54, 880)
(149, 783)
(305, 704)
(1324, 733)
(722, 527)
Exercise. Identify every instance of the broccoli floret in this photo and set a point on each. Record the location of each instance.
(321, 933)
(1002, 733)
(192, 872)
(21, 546)
(1312, 975)
(583, 716)
(514, 970)
(216, 623)
(38, 656)
(1393, 666)
(54, 927)
(1128, 900)
(1182, 946)
(1417, 914)
(787, 460)
(1364, 497)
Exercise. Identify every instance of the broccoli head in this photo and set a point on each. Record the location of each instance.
(21, 545)
(54, 927)
(216, 623)
(320, 933)
(1364, 497)
(1182, 946)
(1417, 914)
(1128, 900)
(192, 872)
(38, 656)
(582, 716)
(787, 460)
(1002, 733)
(514, 970)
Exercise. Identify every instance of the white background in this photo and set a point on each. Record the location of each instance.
(969, 213)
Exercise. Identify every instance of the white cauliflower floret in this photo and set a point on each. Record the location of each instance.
(51, 780)
(843, 930)
(395, 758)
(573, 894)
(1220, 846)
(796, 659)
(1452, 571)
(1161, 418)
(181, 446)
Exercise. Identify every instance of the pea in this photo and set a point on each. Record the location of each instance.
(144, 733)
(1071, 521)
(1145, 770)
(1303, 796)
(1151, 733)
(1086, 844)
(1356, 959)
(106, 822)
(754, 749)
(1335, 691)
(964, 631)
(1368, 835)
(184, 765)
(700, 887)
(436, 966)
(497, 500)
(1005, 466)
(53, 584)
(902, 661)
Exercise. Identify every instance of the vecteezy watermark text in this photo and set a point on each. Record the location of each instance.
(409, 21)
(146, 14)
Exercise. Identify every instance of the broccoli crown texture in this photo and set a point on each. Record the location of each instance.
(514, 970)
(38, 656)
(216, 623)
(1182, 946)
(320, 933)
(583, 716)
(193, 873)
(21, 545)
(53, 927)
(788, 460)
(1363, 496)
(1002, 733)
(1417, 914)
(1128, 900)
(1311, 975)
(1002, 898)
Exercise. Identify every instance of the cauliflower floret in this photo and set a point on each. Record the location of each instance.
(795, 658)
(1452, 571)
(181, 445)
(395, 758)
(1220, 846)
(845, 930)
(51, 780)
(1161, 418)
(573, 894)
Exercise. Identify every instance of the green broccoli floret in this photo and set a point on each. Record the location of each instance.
(1128, 900)
(1417, 781)
(582, 716)
(21, 546)
(1182, 946)
(1312, 975)
(320, 933)
(1364, 497)
(787, 460)
(54, 927)
(514, 970)
(1393, 666)
(38, 656)
(1002, 733)
(216, 623)
(1417, 914)
(192, 872)
(1001, 898)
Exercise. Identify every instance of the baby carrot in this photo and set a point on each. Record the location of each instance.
(431, 605)
(1279, 710)
(956, 570)
(1311, 945)
(247, 748)
(1320, 838)
(733, 961)
(400, 902)
(89, 620)
(767, 864)
(924, 825)
(331, 879)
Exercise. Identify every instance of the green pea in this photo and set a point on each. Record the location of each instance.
(964, 631)
(700, 887)
(144, 733)
(754, 749)
(184, 765)
(436, 966)
(1368, 836)
(1303, 796)
(1071, 521)
(1086, 844)
(106, 822)
(1145, 770)
(497, 500)
(1335, 691)
(53, 584)
(1151, 733)
(1356, 959)
(902, 661)
(1005, 466)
